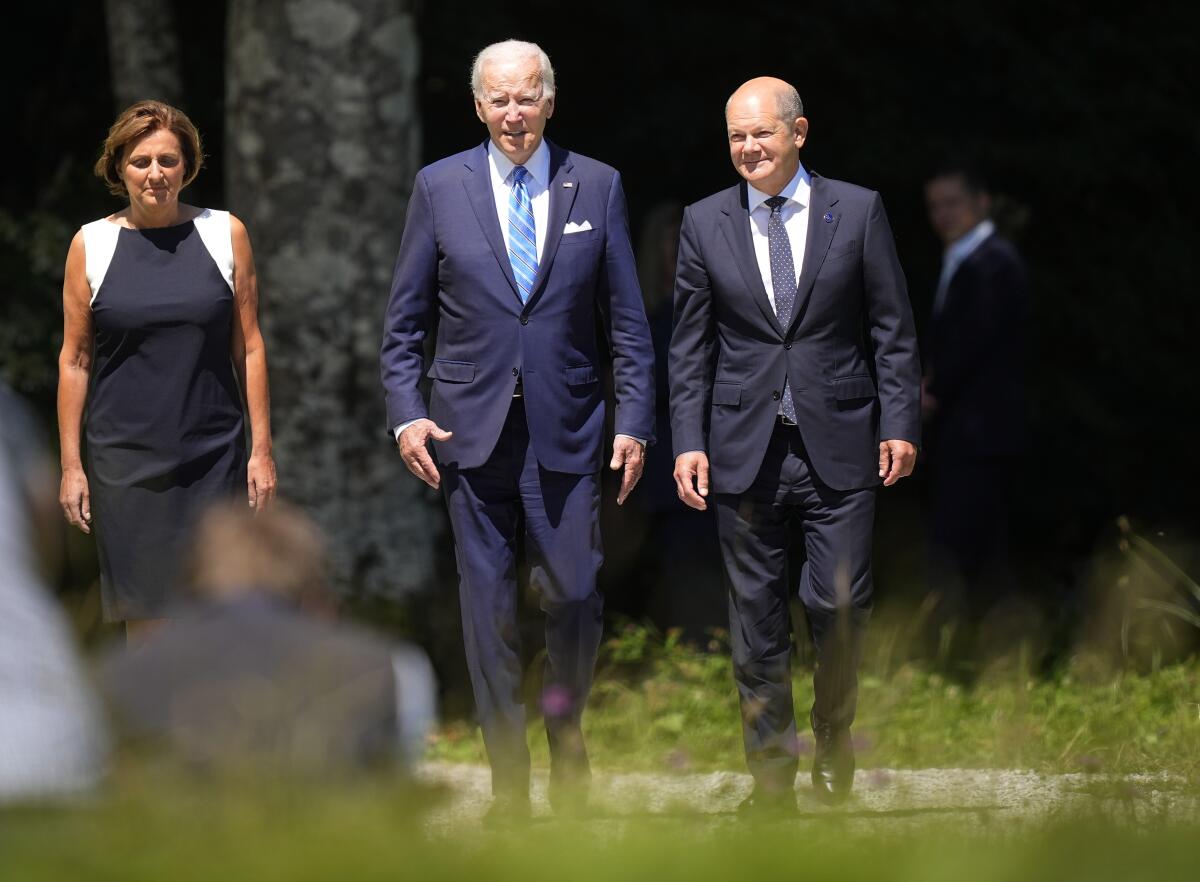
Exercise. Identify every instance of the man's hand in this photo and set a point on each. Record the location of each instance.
(896, 461)
(629, 453)
(691, 478)
(415, 454)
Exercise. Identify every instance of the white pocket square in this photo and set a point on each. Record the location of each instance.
(573, 227)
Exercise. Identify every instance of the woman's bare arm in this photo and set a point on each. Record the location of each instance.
(250, 361)
(74, 376)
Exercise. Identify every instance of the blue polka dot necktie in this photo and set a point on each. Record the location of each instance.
(522, 235)
(783, 282)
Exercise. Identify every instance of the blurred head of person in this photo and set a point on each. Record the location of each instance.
(278, 552)
(958, 200)
(248, 679)
(151, 153)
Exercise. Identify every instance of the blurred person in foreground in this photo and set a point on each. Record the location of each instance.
(255, 669)
(160, 345)
(520, 250)
(795, 393)
(973, 397)
(52, 736)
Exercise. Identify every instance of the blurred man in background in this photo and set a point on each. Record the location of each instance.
(973, 396)
(52, 736)
(257, 671)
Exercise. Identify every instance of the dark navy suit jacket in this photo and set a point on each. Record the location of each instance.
(850, 350)
(975, 357)
(452, 258)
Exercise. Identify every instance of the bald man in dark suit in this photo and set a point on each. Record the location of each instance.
(795, 394)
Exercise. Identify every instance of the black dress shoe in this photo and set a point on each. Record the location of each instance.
(833, 764)
(767, 806)
(506, 812)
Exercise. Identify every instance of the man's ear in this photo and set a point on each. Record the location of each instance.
(800, 131)
(549, 108)
(479, 110)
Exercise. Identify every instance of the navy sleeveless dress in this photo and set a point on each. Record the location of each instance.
(165, 436)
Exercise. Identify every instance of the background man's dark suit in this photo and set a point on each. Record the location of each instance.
(974, 353)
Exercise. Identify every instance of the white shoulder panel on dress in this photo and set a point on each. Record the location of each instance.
(99, 243)
(215, 232)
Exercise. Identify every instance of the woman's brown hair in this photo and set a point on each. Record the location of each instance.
(141, 119)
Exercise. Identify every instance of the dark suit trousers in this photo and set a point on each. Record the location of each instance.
(969, 529)
(490, 506)
(834, 584)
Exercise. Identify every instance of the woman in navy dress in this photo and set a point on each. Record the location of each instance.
(162, 355)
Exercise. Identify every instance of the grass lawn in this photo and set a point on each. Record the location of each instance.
(181, 833)
(660, 704)
(664, 706)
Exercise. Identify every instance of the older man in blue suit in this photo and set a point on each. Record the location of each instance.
(522, 249)
(795, 392)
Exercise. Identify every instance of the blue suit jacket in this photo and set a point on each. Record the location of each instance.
(452, 258)
(850, 350)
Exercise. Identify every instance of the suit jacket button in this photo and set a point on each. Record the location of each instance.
(787, 345)
(774, 396)
(517, 373)
(524, 319)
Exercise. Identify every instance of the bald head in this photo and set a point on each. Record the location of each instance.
(762, 90)
(766, 128)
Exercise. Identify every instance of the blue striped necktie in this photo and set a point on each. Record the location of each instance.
(522, 235)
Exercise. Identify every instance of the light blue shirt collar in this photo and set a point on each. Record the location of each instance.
(956, 252)
(961, 248)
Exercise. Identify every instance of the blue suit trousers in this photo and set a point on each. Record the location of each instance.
(492, 507)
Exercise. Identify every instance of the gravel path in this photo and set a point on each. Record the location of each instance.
(882, 798)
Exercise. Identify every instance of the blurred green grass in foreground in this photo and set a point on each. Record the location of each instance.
(660, 704)
(154, 829)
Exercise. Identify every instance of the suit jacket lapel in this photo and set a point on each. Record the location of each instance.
(736, 227)
(820, 234)
(563, 186)
(478, 184)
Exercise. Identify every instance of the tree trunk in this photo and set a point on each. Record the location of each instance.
(143, 51)
(322, 138)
